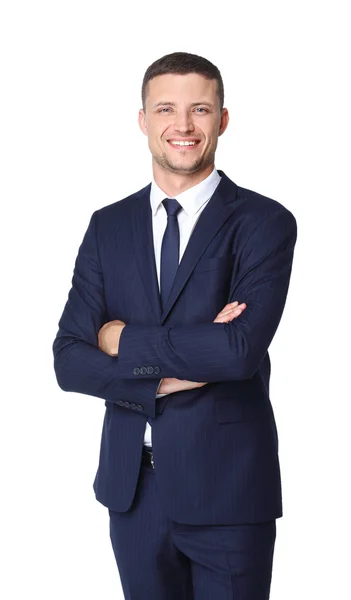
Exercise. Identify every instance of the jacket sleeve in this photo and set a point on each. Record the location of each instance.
(224, 351)
(79, 365)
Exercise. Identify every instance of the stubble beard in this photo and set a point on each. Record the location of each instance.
(199, 164)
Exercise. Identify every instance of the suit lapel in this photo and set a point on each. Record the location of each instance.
(217, 211)
(144, 250)
(214, 215)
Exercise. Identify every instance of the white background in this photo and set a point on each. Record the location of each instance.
(71, 75)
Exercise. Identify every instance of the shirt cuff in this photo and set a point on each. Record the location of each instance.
(160, 395)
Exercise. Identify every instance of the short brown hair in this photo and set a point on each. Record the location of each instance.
(182, 63)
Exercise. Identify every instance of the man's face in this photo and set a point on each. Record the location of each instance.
(182, 120)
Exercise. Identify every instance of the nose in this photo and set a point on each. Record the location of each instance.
(183, 122)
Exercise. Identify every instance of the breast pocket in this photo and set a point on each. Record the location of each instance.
(206, 291)
(214, 263)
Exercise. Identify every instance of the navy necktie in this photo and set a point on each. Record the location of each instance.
(169, 248)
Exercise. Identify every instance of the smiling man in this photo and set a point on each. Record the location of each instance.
(182, 134)
(176, 295)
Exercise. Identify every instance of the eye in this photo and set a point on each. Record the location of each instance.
(165, 109)
(201, 109)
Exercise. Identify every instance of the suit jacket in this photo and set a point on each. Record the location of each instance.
(215, 447)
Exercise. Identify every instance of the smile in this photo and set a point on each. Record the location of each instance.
(184, 144)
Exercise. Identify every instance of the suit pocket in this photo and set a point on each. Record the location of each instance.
(235, 411)
(211, 264)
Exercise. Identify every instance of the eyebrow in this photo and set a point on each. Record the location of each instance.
(173, 104)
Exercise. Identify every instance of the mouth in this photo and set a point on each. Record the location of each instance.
(183, 144)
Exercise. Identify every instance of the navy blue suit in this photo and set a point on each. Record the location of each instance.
(215, 447)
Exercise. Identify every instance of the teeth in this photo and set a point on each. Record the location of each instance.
(178, 143)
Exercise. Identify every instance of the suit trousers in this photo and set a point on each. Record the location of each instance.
(160, 559)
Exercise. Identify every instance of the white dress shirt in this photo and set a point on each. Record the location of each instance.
(193, 202)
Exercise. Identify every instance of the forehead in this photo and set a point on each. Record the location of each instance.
(191, 87)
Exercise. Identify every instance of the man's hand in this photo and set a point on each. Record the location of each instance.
(171, 384)
(109, 336)
(230, 312)
(110, 333)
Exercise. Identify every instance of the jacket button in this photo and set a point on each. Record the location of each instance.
(150, 370)
(140, 407)
(143, 371)
(120, 402)
(136, 371)
(157, 370)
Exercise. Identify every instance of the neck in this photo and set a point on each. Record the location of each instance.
(173, 184)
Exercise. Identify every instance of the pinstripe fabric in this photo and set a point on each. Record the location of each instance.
(215, 447)
(150, 565)
(160, 559)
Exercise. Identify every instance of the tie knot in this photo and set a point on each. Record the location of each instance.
(172, 206)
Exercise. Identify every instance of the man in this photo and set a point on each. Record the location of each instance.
(188, 466)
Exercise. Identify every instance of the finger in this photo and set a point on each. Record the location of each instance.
(228, 307)
(229, 316)
(231, 310)
(226, 319)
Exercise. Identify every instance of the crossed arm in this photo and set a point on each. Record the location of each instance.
(110, 333)
(215, 352)
(219, 351)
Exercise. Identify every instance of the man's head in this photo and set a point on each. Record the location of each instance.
(183, 112)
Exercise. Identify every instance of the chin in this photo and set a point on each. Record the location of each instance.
(184, 166)
(184, 169)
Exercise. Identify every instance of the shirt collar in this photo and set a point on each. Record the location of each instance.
(192, 199)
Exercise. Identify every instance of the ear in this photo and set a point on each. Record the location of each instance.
(142, 121)
(224, 121)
